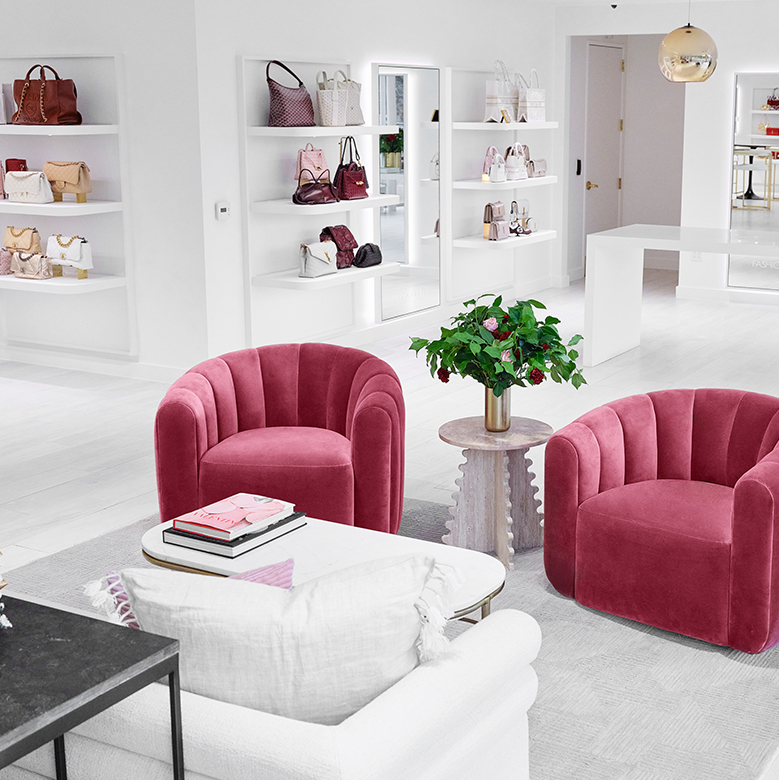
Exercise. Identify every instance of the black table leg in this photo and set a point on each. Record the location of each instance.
(175, 724)
(750, 193)
(59, 758)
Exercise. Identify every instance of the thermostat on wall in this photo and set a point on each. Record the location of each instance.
(223, 210)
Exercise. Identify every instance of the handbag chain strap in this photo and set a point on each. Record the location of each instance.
(58, 236)
(20, 233)
(24, 92)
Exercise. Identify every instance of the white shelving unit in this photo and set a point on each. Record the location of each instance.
(286, 206)
(289, 280)
(42, 313)
(463, 140)
(335, 303)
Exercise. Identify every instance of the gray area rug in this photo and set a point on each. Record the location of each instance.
(617, 700)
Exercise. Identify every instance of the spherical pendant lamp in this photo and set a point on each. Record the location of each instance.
(687, 54)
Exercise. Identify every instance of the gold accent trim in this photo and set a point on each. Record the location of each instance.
(57, 197)
(82, 273)
(177, 567)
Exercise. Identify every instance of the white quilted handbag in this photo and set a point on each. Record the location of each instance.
(28, 187)
(70, 250)
(332, 98)
(516, 164)
(318, 259)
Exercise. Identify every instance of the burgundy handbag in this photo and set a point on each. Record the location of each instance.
(15, 164)
(43, 102)
(351, 183)
(344, 241)
(315, 191)
(289, 106)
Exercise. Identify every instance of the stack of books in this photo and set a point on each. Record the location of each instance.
(234, 526)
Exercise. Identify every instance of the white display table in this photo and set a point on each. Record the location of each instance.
(615, 270)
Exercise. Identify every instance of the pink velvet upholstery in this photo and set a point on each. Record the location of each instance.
(664, 508)
(316, 424)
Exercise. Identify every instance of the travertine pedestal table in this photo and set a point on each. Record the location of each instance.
(495, 508)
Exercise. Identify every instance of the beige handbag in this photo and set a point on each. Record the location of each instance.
(23, 239)
(72, 177)
(31, 266)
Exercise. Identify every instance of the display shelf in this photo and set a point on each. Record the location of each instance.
(59, 129)
(431, 239)
(286, 206)
(513, 126)
(478, 184)
(430, 181)
(63, 285)
(314, 131)
(65, 208)
(516, 242)
(290, 280)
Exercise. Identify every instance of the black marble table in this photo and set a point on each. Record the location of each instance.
(58, 669)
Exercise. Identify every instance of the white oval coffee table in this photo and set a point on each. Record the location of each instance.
(321, 547)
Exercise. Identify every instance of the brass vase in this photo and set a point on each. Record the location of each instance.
(497, 410)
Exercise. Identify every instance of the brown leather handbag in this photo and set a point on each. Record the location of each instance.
(351, 183)
(289, 106)
(45, 102)
(344, 241)
(315, 190)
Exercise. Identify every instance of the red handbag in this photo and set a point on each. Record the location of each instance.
(351, 183)
(289, 106)
(15, 164)
(315, 190)
(344, 241)
(43, 102)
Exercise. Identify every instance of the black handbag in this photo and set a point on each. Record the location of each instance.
(318, 190)
(367, 255)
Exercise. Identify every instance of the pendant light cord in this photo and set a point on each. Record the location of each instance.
(689, 7)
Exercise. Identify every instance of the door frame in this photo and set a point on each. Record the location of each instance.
(621, 163)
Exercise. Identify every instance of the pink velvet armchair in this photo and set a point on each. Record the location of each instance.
(664, 508)
(320, 425)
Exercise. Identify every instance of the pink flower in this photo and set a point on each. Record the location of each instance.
(491, 324)
(506, 354)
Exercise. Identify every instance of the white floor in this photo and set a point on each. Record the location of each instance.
(77, 449)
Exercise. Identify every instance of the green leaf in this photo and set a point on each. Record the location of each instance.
(537, 304)
(417, 343)
(575, 340)
(573, 354)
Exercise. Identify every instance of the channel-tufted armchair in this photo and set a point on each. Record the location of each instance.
(664, 508)
(319, 425)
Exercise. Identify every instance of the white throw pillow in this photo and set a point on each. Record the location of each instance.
(317, 653)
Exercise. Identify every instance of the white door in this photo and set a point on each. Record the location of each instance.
(603, 140)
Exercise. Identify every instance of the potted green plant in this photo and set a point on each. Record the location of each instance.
(500, 348)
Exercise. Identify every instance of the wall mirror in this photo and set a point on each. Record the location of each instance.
(407, 97)
(755, 168)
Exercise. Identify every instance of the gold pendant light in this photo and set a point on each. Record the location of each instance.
(687, 54)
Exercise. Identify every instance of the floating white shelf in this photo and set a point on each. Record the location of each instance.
(59, 129)
(286, 206)
(764, 136)
(515, 242)
(430, 181)
(66, 208)
(63, 285)
(431, 239)
(517, 126)
(767, 111)
(323, 132)
(478, 184)
(291, 281)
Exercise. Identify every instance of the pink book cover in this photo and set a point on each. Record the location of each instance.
(238, 511)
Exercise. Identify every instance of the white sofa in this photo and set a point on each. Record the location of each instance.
(461, 716)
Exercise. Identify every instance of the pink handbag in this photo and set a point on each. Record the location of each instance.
(5, 262)
(498, 231)
(310, 159)
(2, 179)
(490, 157)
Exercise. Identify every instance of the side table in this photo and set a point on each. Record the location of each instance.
(495, 508)
(59, 669)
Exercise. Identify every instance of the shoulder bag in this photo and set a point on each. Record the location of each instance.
(317, 259)
(311, 159)
(314, 190)
(367, 255)
(532, 99)
(15, 164)
(23, 239)
(516, 164)
(536, 168)
(289, 106)
(351, 182)
(502, 95)
(45, 102)
(71, 177)
(498, 231)
(344, 241)
(28, 187)
(31, 265)
(331, 99)
(493, 212)
(70, 250)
